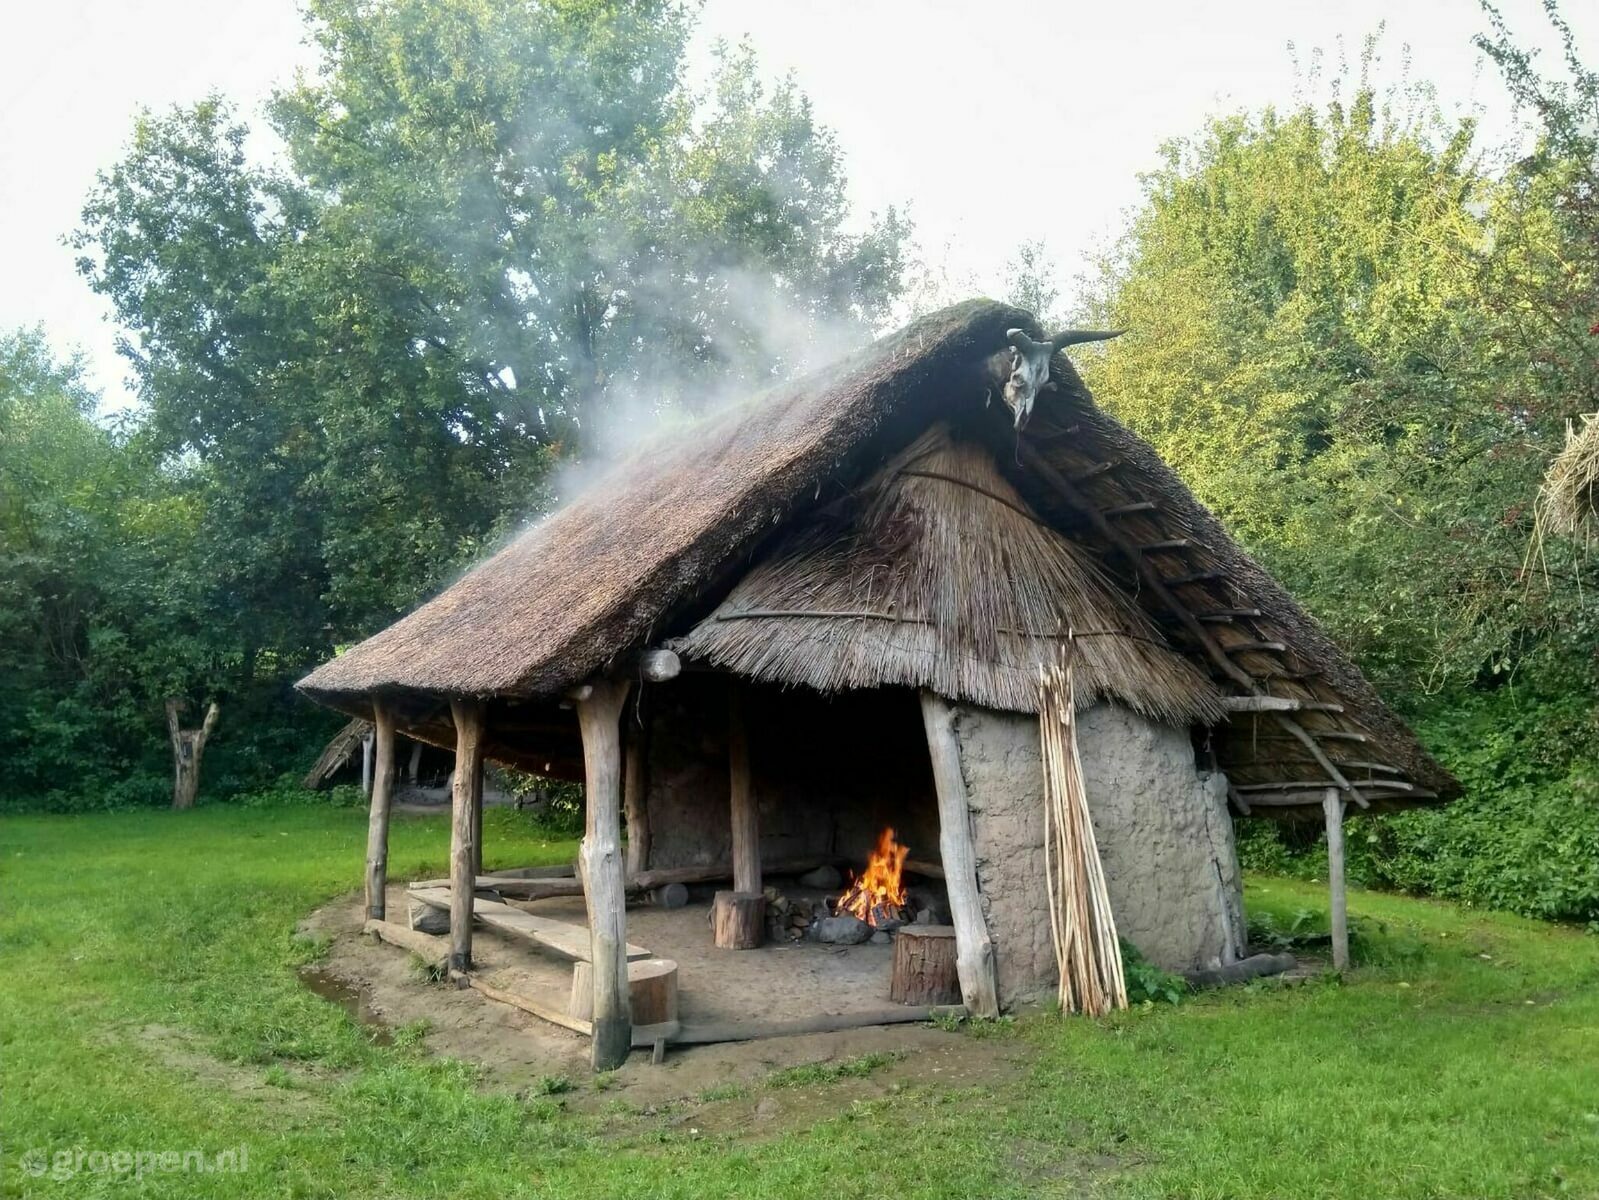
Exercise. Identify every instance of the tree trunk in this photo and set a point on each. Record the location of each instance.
(466, 798)
(377, 828)
(738, 920)
(188, 747)
(599, 712)
(924, 966)
(741, 789)
(974, 948)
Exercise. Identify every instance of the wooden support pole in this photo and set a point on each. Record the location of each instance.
(477, 819)
(599, 714)
(746, 823)
(377, 825)
(466, 801)
(974, 955)
(1333, 805)
(635, 784)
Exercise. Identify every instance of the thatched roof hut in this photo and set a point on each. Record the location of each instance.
(661, 548)
(808, 560)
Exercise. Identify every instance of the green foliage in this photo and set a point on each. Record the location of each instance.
(1523, 837)
(501, 234)
(1147, 983)
(1359, 337)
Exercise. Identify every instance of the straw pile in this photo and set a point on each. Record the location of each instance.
(1568, 502)
(1087, 951)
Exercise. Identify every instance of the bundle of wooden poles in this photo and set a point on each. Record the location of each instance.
(1087, 950)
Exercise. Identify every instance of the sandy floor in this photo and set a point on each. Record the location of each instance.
(515, 1049)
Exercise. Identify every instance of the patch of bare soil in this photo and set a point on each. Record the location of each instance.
(182, 1053)
(716, 1087)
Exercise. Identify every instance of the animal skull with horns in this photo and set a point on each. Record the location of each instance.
(1029, 365)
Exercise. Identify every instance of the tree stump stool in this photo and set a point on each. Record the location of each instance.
(924, 966)
(651, 991)
(738, 920)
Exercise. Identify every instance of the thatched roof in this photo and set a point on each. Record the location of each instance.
(937, 574)
(663, 539)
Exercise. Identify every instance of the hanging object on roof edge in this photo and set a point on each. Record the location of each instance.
(1087, 950)
(1025, 368)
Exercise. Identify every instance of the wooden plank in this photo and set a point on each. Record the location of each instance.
(746, 1031)
(974, 958)
(569, 941)
(434, 949)
(1125, 510)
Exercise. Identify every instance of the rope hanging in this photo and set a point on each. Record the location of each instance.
(1087, 952)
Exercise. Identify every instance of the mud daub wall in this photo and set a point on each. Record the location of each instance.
(1164, 835)
(828, 772)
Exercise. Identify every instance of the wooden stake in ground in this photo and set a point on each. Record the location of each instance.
(188, 745)
(1333, 808)
(1087, 950)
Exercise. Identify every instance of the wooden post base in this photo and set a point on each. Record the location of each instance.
(738, 920)
(651, 991)
(924, 965)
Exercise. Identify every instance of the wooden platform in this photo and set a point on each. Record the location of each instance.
(569, 941)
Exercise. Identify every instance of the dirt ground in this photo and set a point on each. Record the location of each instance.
(382, 986)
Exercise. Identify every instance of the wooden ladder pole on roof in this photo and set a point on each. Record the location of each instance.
(1191, 624)
(466, 802)
(377, 827)
(599, 716)
(1333, 808)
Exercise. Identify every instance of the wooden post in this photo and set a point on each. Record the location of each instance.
(746, 823)
(366, 763)
(466, 799)
(1333, 806)
(477, 817)
(377, 826)
(974, 955)
(634, 783)
(415, 764)
(188, 747)
(599, 711)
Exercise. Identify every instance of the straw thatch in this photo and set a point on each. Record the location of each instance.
(937, 574)
(666, 536)
(1568, 502)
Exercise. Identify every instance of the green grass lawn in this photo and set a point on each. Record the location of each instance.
(1461, 1059)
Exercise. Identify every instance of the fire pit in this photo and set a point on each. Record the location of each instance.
(877, 896)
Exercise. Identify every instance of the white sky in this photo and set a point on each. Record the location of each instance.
(996, 122)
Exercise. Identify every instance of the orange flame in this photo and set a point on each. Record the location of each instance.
(879, 892)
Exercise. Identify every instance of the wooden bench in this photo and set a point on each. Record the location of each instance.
(569, 941)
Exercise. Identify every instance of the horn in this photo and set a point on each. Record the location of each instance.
(1072, 337)
(1019, 339)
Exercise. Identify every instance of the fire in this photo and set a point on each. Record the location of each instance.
(878, 894)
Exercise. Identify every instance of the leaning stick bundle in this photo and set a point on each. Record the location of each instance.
(1087, 951)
